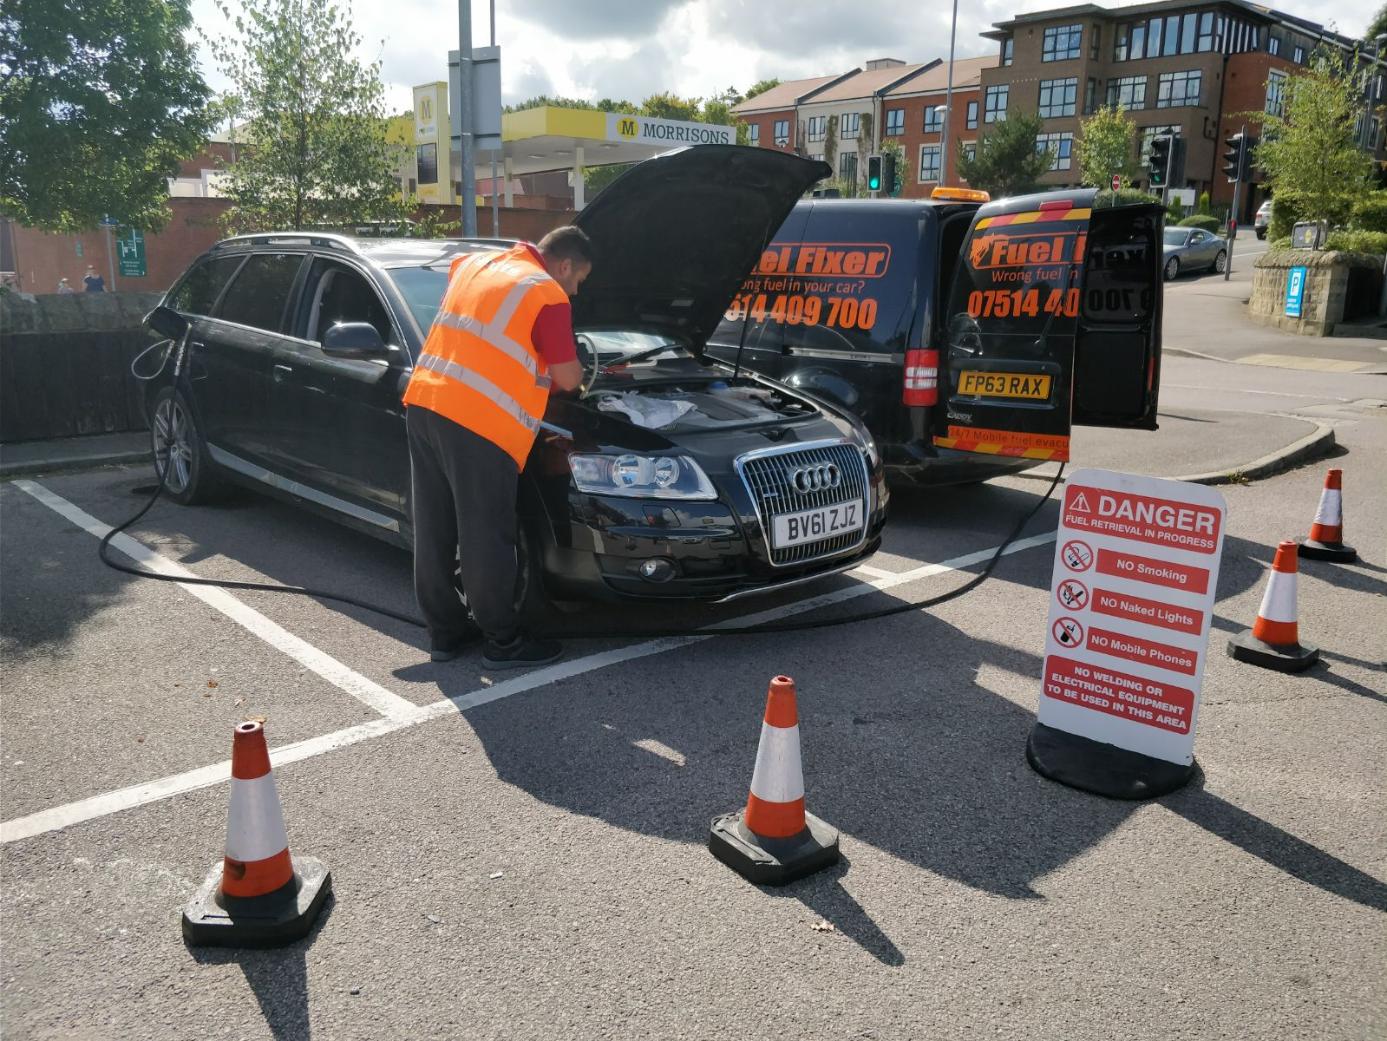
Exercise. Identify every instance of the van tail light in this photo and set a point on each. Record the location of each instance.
(921, 378)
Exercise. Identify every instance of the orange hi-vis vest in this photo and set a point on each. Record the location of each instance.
(480, 367)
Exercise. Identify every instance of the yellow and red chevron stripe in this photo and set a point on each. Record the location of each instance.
(1034, 216)
(1051, 447)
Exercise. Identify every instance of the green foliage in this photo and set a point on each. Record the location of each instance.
(1378, 26)
(99, 103)
(893, 147)
(1370, 212)
(1204, 203)
(1285, 212)
(1007, 162)
(430, 223)
(1201, 220)
(831, 144)
(314, 120)
(760, 87)
(1174, 212)
(1107, 144)
(1357, 241)
(1124, 197)
(1310, 154)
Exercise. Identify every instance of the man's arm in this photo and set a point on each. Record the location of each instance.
(566, 375)
(553, 337)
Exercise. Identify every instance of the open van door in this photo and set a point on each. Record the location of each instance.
(1054, 319)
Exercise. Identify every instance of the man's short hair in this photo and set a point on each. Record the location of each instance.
(567, 243)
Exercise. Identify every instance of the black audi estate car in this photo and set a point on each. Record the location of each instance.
(668, 475)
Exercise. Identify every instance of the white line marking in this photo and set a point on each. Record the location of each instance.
(369, 693)
(874, 572)
(154, 791)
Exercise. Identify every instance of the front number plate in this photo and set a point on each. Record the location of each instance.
(975, 384)
(792, 529)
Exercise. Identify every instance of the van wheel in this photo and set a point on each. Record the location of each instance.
(187, 473)
(1221, 261)
(1172, 268)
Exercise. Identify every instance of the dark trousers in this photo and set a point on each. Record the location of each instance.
(463, 500)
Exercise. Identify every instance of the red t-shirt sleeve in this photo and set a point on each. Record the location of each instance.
(553, 334)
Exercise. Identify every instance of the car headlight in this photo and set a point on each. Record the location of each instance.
(641, 476)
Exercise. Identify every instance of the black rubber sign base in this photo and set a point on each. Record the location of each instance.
(213, 919)
(1106, 770)
(1290, 657)
(773, 862)
(1339, 552)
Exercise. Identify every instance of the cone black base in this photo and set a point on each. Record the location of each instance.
(1092, 766)
(273, 920)
(773, 862)
(1294, 657)
(1339, 552)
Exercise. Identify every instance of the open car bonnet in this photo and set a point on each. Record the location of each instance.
(676, 235)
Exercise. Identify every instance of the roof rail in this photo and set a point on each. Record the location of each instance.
(292, 238)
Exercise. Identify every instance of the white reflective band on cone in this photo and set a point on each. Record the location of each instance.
(1331, 507)
(1278, 602)
(778, 776)
(255, 823)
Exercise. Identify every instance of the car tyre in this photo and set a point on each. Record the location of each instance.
(1221, 261)
(1261, 233)
(188, 474)
(530, 598)
(1172, 268)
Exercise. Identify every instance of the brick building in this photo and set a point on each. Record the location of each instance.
(913, 115)
(772, 117)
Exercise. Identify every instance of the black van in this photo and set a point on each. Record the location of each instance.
(966, 335)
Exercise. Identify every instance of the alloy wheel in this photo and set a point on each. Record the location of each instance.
(173, 447)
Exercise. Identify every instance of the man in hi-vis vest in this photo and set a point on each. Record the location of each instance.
(502, 338)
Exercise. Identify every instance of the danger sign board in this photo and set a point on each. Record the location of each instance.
(1132, 595)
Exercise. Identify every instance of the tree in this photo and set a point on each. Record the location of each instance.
(1007, 162)
(760, 87)
(1378, 25)
(1310, 153)
(99, 103)
(1106, 146)
(314, 117)
(671, 106)
(893, 147)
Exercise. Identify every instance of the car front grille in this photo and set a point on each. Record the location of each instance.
(768, 477)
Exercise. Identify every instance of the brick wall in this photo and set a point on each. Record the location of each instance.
(914, 136)
(766, 122)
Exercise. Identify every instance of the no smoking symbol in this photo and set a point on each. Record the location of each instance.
(1077, 556)
(1068, 632)
(1073, 594)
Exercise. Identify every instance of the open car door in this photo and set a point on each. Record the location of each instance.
(1054, 319)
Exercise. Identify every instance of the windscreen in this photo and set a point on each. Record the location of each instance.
(423, 289)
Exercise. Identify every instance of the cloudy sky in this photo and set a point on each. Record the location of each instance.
(634, 48)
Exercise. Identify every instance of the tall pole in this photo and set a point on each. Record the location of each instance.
(495, 194)
(469, 172)
(948, 103)
(110, 258)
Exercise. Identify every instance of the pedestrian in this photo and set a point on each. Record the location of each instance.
(501, 339)
(93, 282)
(64, 286)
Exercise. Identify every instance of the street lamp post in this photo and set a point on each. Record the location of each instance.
(948, 103)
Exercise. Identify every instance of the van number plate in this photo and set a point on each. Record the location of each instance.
(792, 529)
(974, 384)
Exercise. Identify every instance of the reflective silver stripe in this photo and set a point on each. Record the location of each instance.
(506, 311)
(543, 382)
(453, 371)
(492, 334)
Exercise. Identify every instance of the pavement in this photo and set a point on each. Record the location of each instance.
(73, 453)
(522, 856)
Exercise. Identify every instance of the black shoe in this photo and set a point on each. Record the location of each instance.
(447, 650)
(521, 652)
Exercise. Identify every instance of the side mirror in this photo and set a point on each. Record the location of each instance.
(165, 321)
(353, 340)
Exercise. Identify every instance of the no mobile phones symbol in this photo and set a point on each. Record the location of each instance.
(1068, 633)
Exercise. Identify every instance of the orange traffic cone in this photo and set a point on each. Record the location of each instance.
(1326, 540)
(255, 897)
(773, 840)
(1273, 642)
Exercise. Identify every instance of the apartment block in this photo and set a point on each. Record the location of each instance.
(772, 117)
(913, 114)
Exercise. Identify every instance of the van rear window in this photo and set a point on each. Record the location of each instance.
(844, 280)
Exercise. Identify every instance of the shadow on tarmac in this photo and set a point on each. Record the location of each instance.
(825, 895)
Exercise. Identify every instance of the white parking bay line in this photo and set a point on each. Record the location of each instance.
(164, 788)
(369, 693)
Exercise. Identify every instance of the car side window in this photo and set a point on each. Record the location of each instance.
(335, 294)
(197, 293)
(1198, 236)
(260, 290)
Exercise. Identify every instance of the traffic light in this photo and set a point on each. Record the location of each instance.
(888, 173)
(1249, 145)
(1233, 161)
(873, 173)
(1159, 161)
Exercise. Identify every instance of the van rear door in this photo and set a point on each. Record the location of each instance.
(1054, 319)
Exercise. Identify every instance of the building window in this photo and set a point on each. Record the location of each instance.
(1298, 56)
(1205, 40)
(426, 158)
(895, 121)
(1060, 146)
(816, 129)
(1095, 40)
(1128, 91)
(1273, 44)
(1176, 89)
(1276, 92)
(847, 124)
(1061, 42)
(970, 150)
(934, 119)
(1120, 42)
(1058, 97)
(972, 120)
(995, 103)
(782, 132)
(1172, 36)
(1008, 50)
(930, 156)
(847, 167)
(1147, 133)
(1090, 96)
(753, 133)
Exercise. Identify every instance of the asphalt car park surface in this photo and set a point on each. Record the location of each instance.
(527, 859)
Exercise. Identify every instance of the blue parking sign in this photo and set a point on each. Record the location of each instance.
(1295, 291)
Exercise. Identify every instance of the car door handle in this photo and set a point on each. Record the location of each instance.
(282, 372)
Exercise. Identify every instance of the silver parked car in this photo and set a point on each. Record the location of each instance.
(1193, 249)
(1262, 220)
